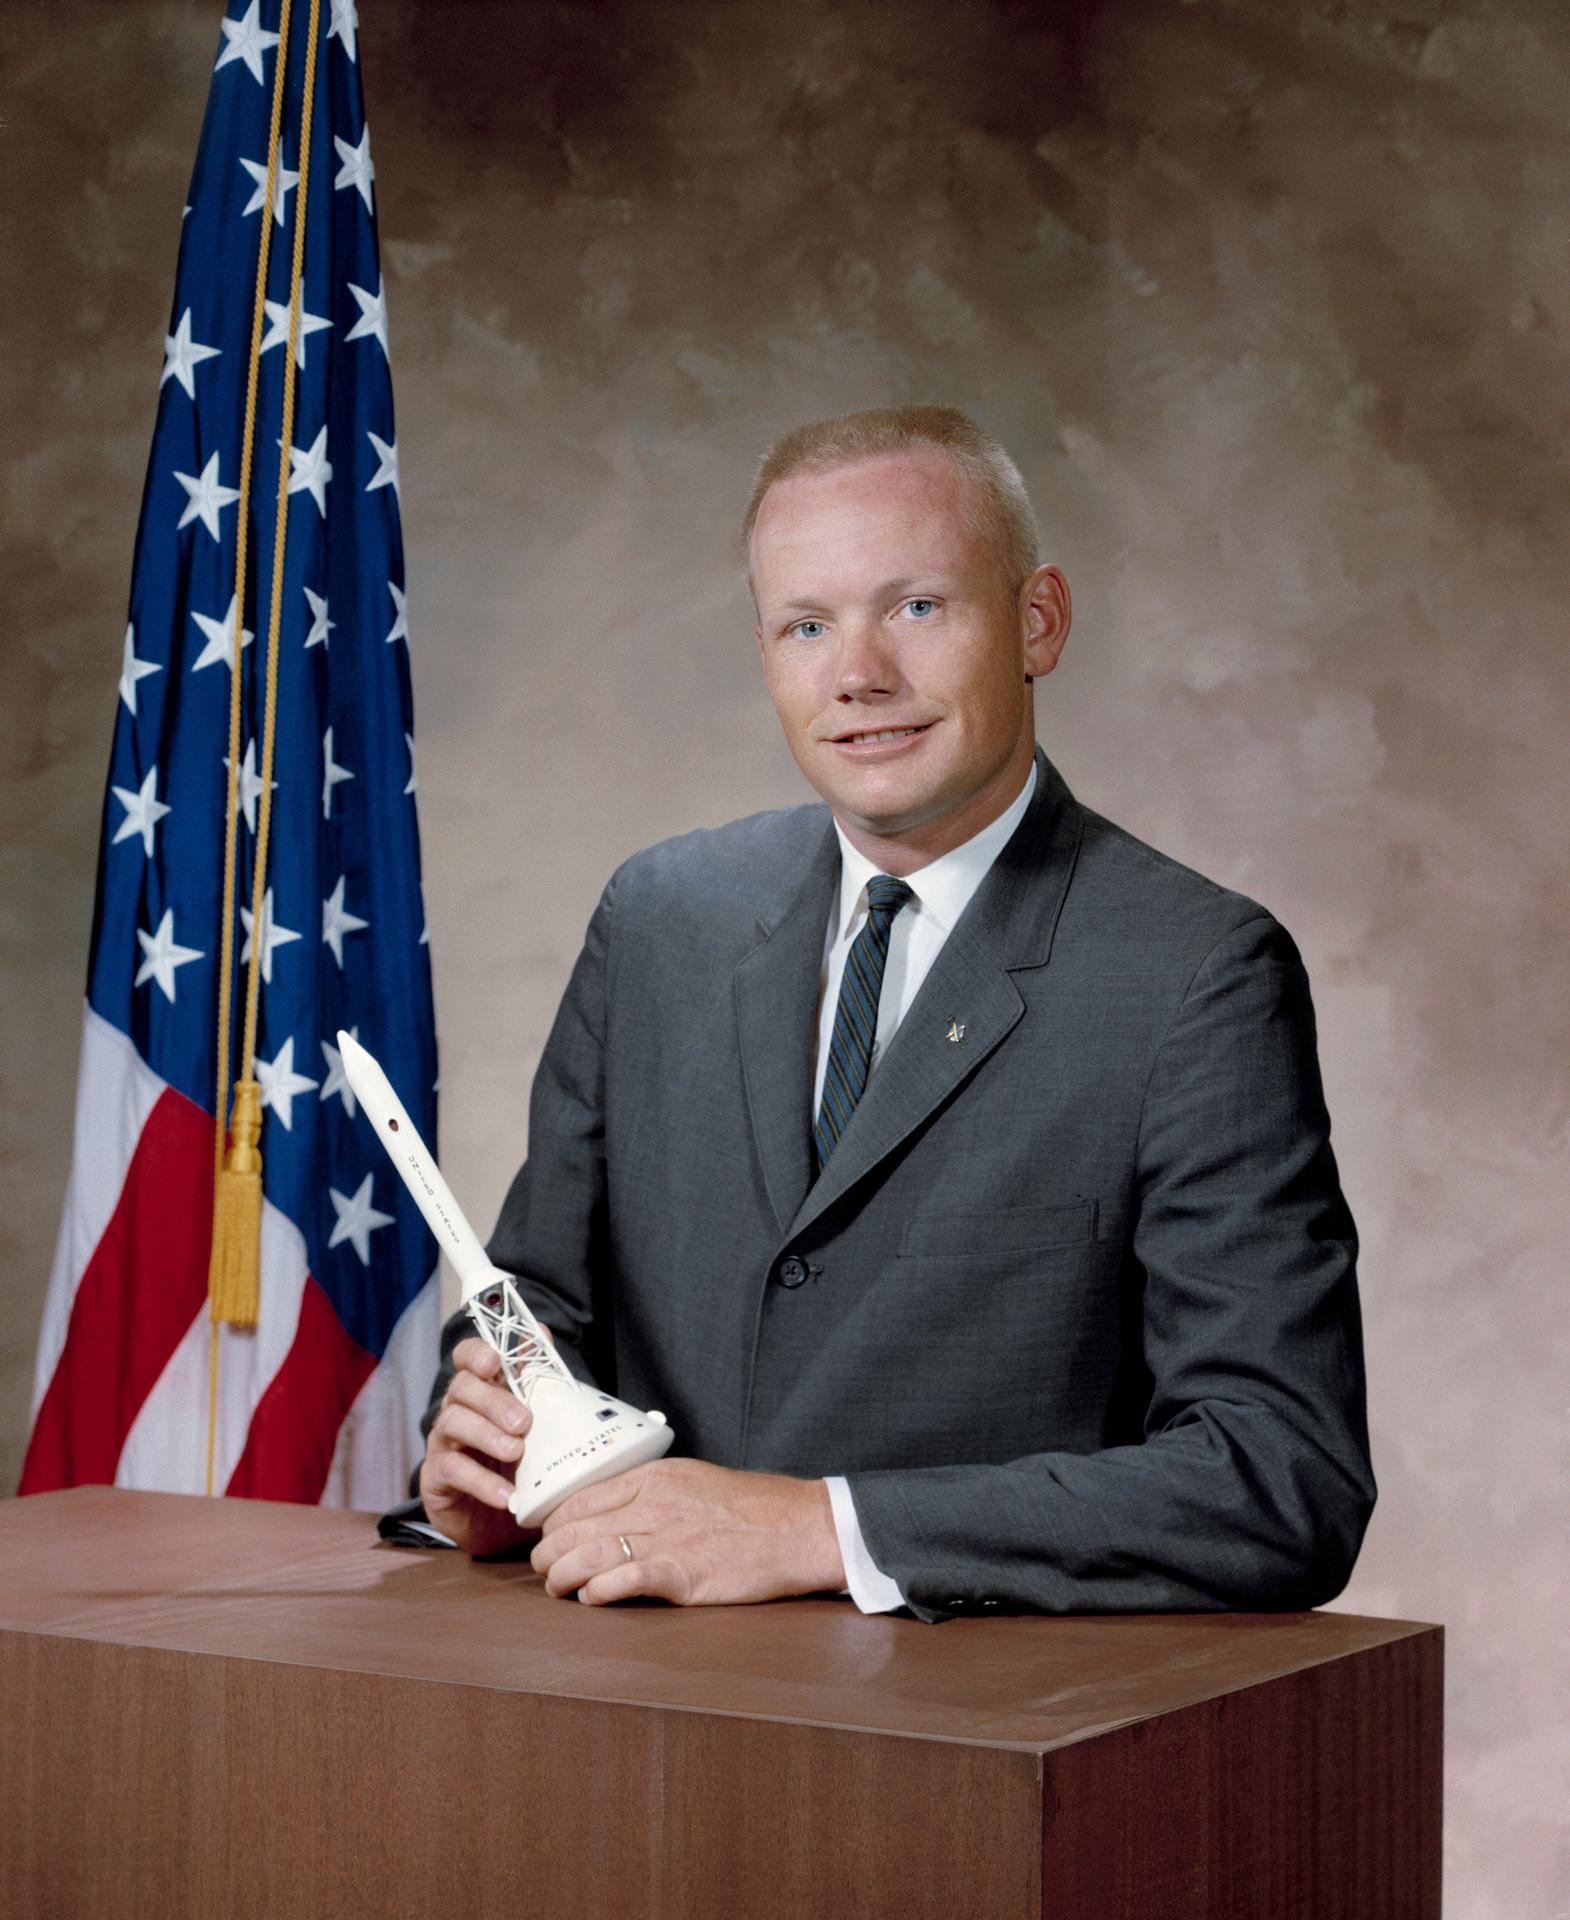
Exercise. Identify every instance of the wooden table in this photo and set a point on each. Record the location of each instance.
(227, 1708)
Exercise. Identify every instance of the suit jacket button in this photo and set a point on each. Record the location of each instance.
(792, 1271)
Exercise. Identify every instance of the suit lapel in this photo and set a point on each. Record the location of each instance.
(1008, 924)
(776, 989)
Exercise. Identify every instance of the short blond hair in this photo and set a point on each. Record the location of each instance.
(997, 506)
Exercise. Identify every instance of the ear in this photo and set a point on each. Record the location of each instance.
(1045, 614)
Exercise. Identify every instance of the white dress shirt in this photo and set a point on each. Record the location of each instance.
(942, 891)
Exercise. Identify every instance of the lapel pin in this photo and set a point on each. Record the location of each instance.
(956, 1031)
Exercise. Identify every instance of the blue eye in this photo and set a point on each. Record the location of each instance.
(801, 626)
(915, 607)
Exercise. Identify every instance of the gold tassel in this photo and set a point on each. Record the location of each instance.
(234, 1272)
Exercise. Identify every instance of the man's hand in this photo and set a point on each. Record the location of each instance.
(475, 1444)
(700, 1536)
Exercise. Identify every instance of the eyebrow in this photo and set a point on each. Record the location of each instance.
(886, 590)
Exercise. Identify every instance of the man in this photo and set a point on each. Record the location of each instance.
(949, 1166)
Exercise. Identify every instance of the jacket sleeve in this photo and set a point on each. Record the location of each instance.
(551, 1233)
(1253, 1485)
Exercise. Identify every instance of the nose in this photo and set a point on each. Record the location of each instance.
(866, 668)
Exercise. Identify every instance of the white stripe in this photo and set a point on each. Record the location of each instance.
(379, 1441)
(166, 1449)
(115, 1092)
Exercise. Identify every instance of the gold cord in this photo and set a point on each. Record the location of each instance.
(234, 1263)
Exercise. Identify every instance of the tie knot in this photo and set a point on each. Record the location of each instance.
(887, 895)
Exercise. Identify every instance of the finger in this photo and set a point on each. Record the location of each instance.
(499, 1405)
(597, 1554)
(605, 1496)
(550, 1549)
(456, 1472)
(657, 1578)
(501, 1413)
(461, 1427)
(546, 1551)
(475, 1355)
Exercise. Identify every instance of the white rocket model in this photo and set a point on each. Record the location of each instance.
(579, 1435)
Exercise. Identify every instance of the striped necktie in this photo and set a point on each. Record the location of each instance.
(856, 1016)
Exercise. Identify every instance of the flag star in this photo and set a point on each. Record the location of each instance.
(337, 1081)
(246, 40)
(277, 334)
(357, 170)
(132, 670)
(386, 475)
(357, 1220)
(331, 775)
(408, 741)
(280, 1083)
(321, 626)
(337, 920)
(250, 784)
(272, 935)
(162, 954)
(372, 323)
(182, 353)
(310, 470)
(206, 496)
(143, 811)
(285, 181)
(345, 21)
(400, 626)
(220, 637)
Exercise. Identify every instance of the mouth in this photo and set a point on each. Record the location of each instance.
(867, 742)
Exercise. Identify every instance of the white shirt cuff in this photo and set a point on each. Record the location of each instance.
(867, 1584)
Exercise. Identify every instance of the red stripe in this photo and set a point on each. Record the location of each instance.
(142, 1288)
(294, 1430)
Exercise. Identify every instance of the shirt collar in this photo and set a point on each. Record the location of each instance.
(944, 886)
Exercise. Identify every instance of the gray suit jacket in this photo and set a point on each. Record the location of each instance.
(1073, 1304)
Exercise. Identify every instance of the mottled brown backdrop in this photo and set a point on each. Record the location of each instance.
(1269, 297)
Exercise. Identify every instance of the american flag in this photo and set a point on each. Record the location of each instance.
(320, 1400)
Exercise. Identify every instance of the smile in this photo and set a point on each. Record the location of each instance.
(878, 736)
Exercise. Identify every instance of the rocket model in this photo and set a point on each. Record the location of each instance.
(579, 1435)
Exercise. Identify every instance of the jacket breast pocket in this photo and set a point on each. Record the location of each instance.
(990, 1231)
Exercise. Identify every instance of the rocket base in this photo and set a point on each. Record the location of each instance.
(579, 1436)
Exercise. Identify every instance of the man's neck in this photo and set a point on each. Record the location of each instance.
(907, 852)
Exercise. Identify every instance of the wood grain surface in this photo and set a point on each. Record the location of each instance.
(1318, 1797)
(315, 1586)
(154, 1785)
(227, 1709)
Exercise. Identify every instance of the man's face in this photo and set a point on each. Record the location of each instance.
(878, 610)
